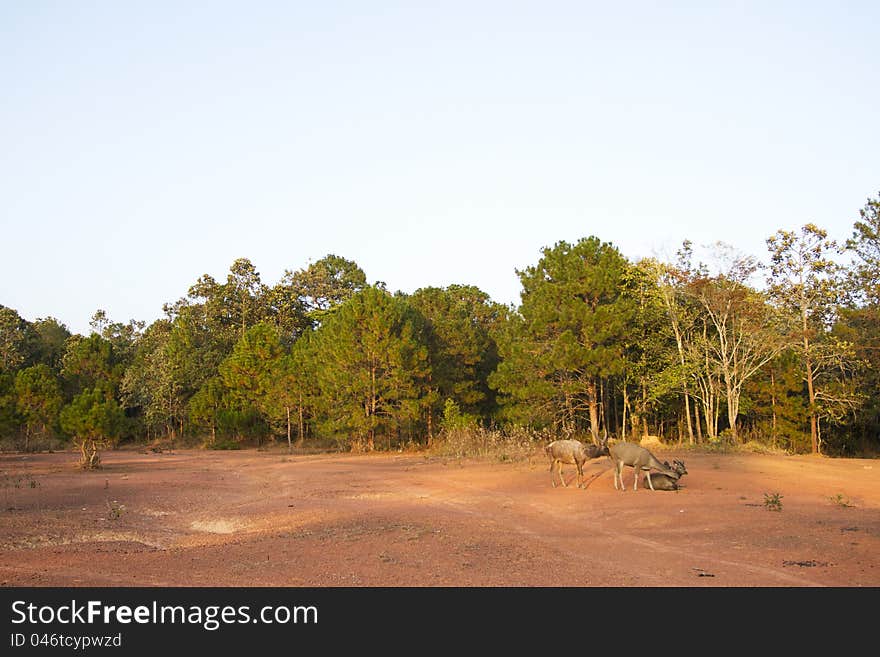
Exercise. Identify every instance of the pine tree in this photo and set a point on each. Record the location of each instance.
(570, 332)
(372, 363)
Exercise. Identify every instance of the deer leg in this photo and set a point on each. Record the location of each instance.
(635, 477)
(552, 478)
(562, 476)
(580, 474)
(648, 477)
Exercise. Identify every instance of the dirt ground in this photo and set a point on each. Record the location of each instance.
(252, 518)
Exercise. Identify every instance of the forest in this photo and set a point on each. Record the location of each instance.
(781, 350)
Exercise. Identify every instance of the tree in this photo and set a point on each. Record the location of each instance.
(52, 337)
(95, 420)
(459, 321)
(744, 329)
(207, 405)
(248, 372)
(570, 332)
(89, 362)
(859, 322)
(223, 312)
(650, 359)
(672, 281)
(16, 340)
(243, 294)
(9, 418)
(804, 281)
(123, 338)
(865, 245)
(38, 399)
(373, 365)
(292, 388)
(777, 405)
(326, 284)
(154, 382)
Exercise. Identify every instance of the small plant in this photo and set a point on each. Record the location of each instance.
(841, 500)
(114, 510)
(773, 501)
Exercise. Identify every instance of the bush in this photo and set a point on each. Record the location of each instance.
(514, 444)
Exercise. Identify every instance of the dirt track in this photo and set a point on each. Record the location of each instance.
(196, 518)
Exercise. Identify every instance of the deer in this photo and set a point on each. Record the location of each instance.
(573, 452)
(665, 482)
(639, 458)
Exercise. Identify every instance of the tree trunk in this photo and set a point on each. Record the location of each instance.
(430, 426)
(289, 444)
(614, 410)
(814, 425)
(684, 385)
(604, 409)
(299, 443)
(593, 403)
(687, 415)
(773, 407)
(732, 409)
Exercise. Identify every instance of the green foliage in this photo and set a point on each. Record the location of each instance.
(570, 332)
(248, 371)
(89, 362)
(596, 342)
(95, 420)
(16, 340)
(94, 414)
(777, 408)
(51, 343)
(773, 501)
(9, 419)
(324, 285)
(459, 321)
(38, 400)
(373, 367)
(864, 276)
(292, 394)
(454, 419)
(206, 407)
(153, 383)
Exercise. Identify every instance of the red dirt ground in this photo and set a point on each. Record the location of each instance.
(252, 518)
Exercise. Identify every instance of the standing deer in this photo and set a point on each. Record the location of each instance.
(639, 458)
(573, 452)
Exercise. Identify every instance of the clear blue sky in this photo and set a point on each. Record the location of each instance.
(145, 144)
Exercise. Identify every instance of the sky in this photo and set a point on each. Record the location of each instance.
(143, 145)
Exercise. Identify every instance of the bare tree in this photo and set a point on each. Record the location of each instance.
(743, 330)
(805, 281)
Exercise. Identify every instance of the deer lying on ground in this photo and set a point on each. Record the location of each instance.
(639, 458)
(573, 452)
(665, 482)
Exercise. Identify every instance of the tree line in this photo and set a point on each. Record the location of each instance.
(784, 354)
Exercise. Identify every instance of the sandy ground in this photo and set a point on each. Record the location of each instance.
(250, 518)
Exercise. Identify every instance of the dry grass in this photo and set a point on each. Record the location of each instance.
(516, 444)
